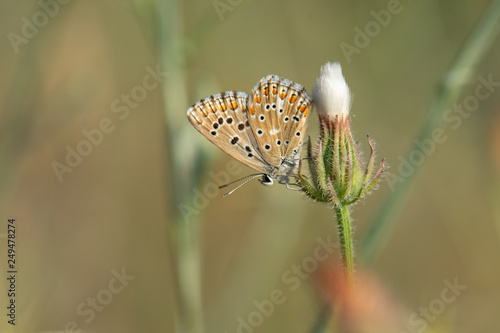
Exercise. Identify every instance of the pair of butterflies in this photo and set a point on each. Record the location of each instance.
(263, 130)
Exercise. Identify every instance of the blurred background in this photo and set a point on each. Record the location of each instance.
(99, 165)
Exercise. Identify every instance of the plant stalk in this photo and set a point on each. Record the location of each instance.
(345, 236)
(189, 311)
(184, 231)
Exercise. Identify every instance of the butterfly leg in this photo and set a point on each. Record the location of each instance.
(287, 183)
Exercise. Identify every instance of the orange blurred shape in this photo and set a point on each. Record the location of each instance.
(495, 140)
(366, 306)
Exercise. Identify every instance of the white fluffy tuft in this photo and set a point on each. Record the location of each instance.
(331, 94)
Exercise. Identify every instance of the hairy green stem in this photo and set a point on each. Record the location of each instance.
(345, 236)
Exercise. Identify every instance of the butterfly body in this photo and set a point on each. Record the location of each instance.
(263, 130)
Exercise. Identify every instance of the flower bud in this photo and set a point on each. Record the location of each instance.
(331, 94)
(338, 174)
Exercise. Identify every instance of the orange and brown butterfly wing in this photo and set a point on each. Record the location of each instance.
(278, 110)
(222, 119)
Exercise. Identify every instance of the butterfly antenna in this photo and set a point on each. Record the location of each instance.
(250, 177)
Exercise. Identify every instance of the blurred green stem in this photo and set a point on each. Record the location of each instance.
(321, 324)
(186, 240)
(448, 91)
(345, 236)
(184, 230)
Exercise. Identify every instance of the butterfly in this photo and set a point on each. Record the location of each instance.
(263, 130)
